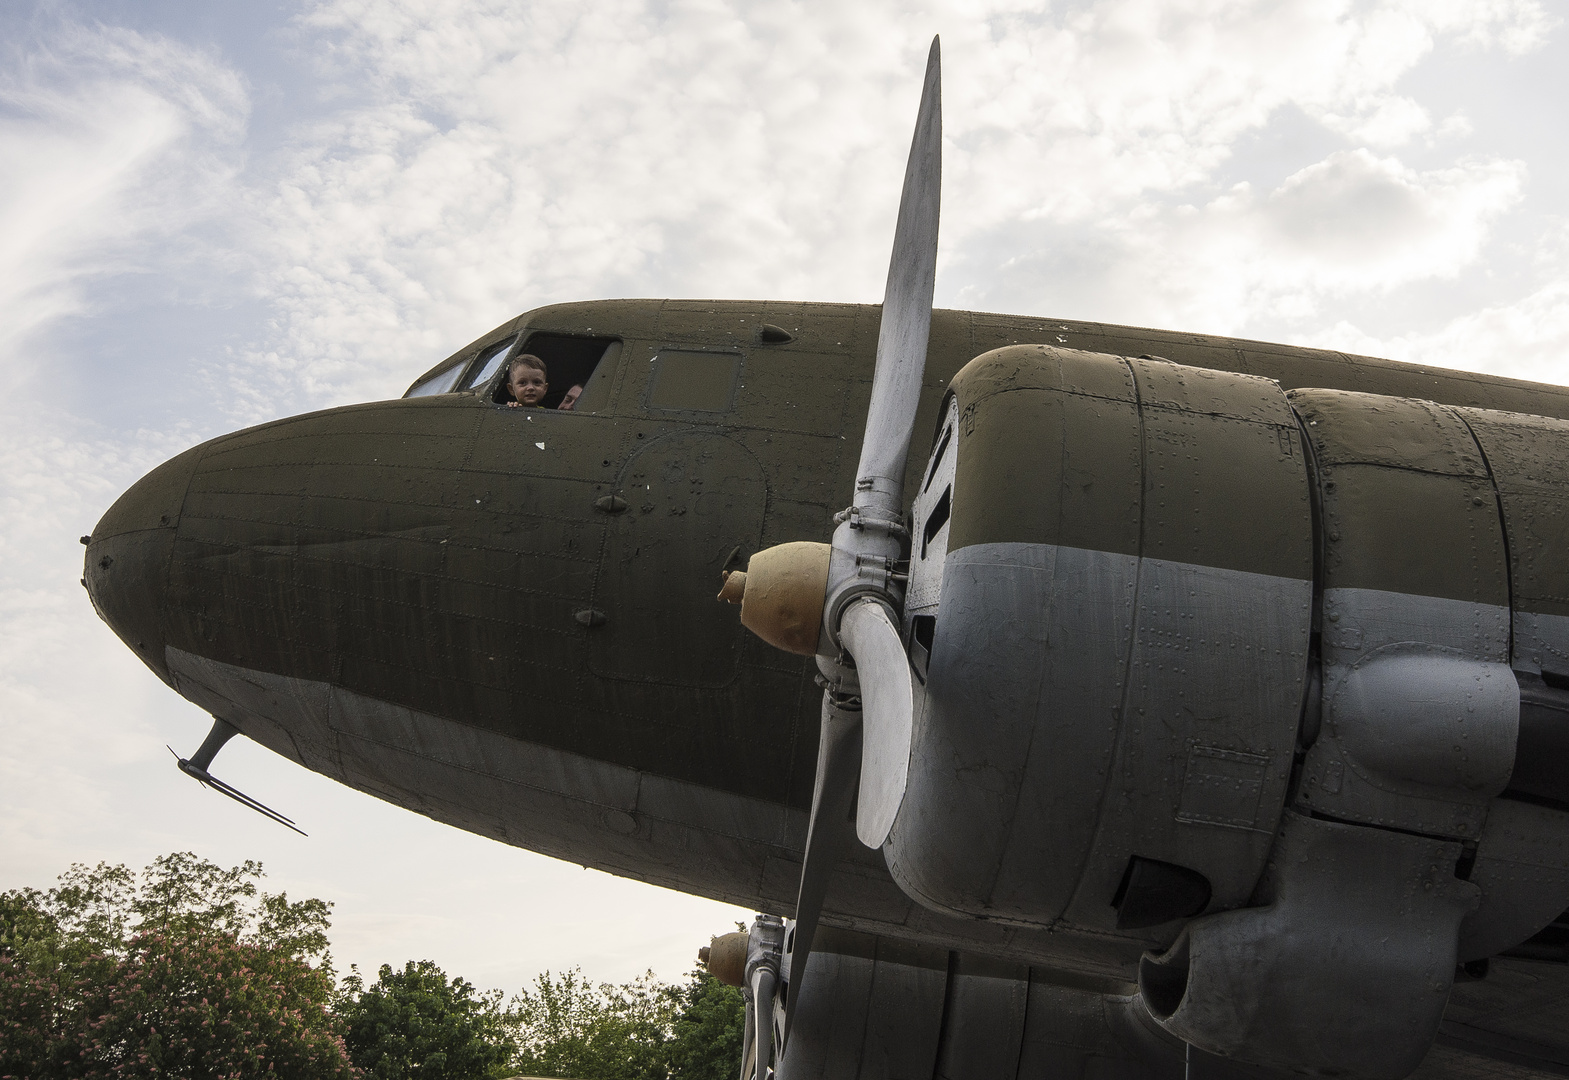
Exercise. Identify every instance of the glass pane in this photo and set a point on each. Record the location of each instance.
(439, 383)
(487, 365)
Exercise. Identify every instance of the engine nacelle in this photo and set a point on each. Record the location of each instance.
(1112, 577)
(1195, 647)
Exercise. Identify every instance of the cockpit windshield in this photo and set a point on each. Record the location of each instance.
(572, 364)
(471, 372)
(439, 383)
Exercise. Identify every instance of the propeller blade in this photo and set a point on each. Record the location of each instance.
(887, 712)
(860, 593)
(907, 308)
(838, 758)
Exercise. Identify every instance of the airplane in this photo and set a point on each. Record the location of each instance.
(1187, 707)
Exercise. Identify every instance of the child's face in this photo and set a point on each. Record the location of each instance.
(527, 385)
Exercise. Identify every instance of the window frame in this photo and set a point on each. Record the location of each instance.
(499, 351)
(738, 379)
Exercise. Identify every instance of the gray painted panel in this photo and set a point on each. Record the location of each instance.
(1066, 1034)
(1358, 621)
(484, 752)
(1541, 641)
(904, 1020)
(1209, 726)
(983, 1025)
(1420, 712)
(1522, 868)
(1015, 731)
(1012, 768)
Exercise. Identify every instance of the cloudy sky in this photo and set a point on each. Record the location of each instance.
(216, 214)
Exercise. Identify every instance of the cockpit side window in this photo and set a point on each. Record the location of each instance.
(570, 360)
(486, 364)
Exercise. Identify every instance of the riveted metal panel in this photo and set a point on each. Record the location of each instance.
(1048, 452)
(1408, 505)
(1420, 711)
(1522, 868)
(1222, 618)
(1527, 455)
(983, 1020)
(1014, 738)
(1120, 645)
(693, 498)
(1224, 476)
(1208, 725)
(870, 1009)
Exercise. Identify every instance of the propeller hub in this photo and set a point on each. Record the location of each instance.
(781, 594)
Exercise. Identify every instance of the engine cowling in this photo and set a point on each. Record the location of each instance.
(1236, 672)
(1113, 568)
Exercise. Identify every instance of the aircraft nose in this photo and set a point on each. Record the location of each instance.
(128, 555)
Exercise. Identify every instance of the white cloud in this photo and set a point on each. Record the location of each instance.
(514, 154)
(1525, 339)
(1352, 224)
(112, 140)
(115, 144)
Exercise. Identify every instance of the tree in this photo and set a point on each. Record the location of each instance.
(417, 1024)
(193, 972)
(642, 1030)
(709, 1031)
(569, 1027)
(204, 1004)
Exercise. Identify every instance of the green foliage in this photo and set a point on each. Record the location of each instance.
(205, 1004)
(417, 1024)
(642, 1030)
(193, 972)
(569, 1027)
(709, 1032)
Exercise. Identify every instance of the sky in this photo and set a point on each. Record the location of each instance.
(216, 214)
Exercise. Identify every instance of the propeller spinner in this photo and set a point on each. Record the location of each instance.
(841, 602)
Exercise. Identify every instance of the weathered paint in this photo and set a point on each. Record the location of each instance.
(427, 557)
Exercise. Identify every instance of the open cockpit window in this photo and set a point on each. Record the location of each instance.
(575, 365)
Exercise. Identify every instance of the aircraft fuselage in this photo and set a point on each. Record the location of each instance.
(505, 618)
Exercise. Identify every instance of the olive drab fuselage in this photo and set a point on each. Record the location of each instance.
(506, 619)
